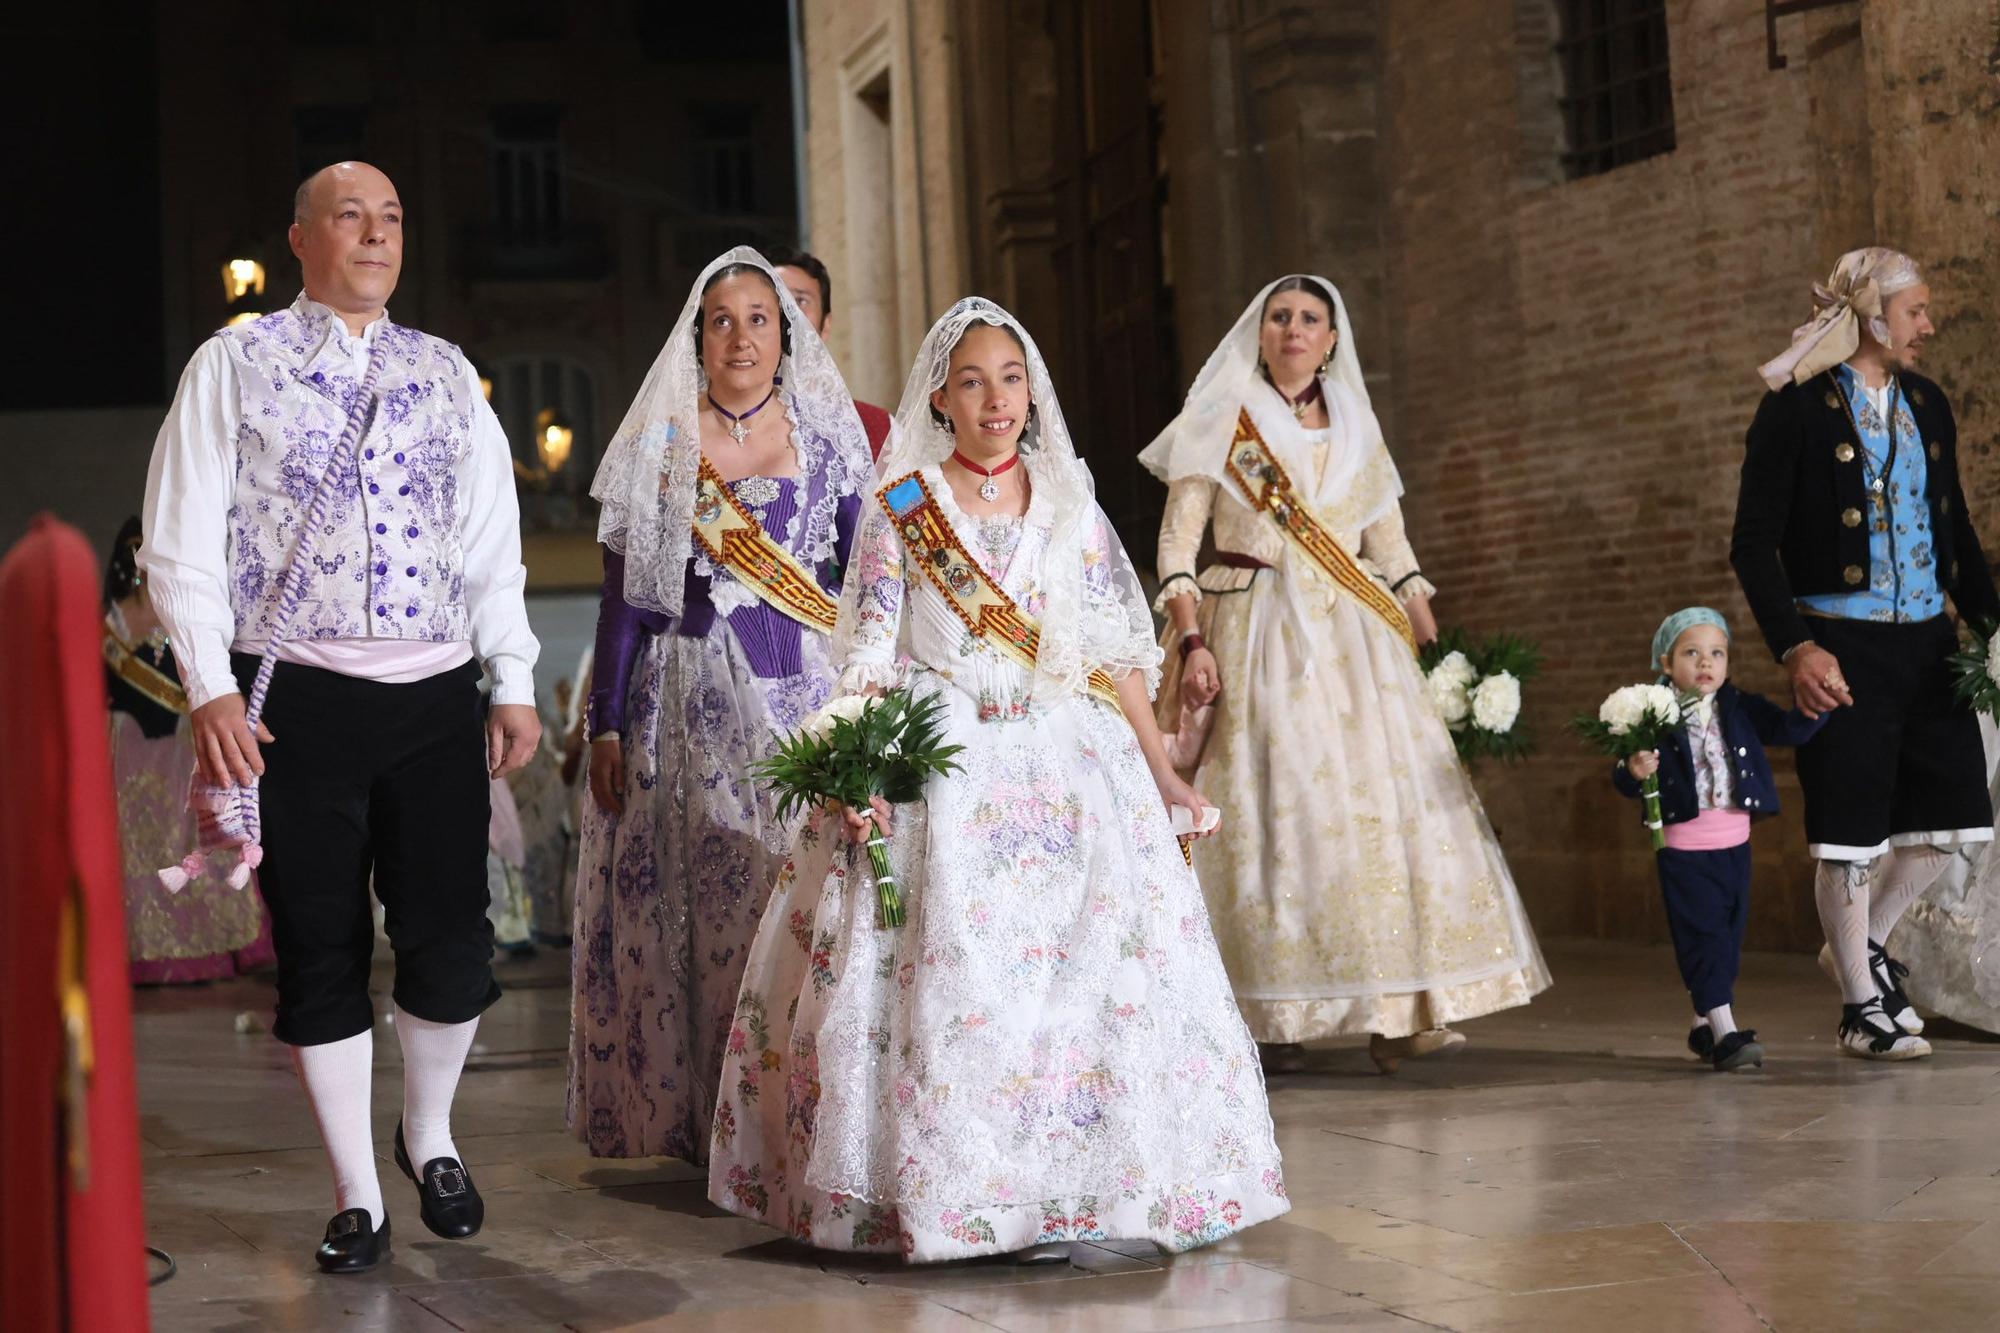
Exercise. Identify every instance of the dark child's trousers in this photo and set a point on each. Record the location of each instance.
(1707, 896)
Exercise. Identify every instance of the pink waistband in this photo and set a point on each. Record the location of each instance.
(1710, 831)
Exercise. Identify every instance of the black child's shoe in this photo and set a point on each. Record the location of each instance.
(1738, 1049)
(450, 1206)
(1701, 1041)
(350, 1247)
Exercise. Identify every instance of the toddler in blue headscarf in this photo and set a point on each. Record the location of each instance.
(1714, 780)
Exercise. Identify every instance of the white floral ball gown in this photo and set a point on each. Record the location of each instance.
(1048, 1050)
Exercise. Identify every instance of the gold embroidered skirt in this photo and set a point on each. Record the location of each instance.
(1355, 885)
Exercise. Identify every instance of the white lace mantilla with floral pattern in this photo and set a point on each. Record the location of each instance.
(1048, 1050)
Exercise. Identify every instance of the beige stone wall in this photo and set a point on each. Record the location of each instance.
(885, 199)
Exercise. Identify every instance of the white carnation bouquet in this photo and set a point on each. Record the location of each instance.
(1630, 721)
(1477, 689)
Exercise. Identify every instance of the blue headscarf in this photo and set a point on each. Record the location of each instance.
(1679, 623)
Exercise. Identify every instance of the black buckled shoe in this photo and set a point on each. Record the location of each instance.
(350, 1247)
(1701, 1041)
(1738, 1049)
(449, 1204)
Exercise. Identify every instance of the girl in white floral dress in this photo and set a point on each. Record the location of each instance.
(1048, 1050)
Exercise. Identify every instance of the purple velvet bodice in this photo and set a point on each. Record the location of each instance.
(770, 639)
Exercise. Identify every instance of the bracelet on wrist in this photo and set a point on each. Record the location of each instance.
(1190, 642)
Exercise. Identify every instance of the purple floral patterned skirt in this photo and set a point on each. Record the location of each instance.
(668, 895)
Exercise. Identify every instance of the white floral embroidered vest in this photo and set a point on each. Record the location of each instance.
(390, 563)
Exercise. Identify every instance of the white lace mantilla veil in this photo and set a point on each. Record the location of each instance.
(1360, 483)
(646, 481)
(1090, 619)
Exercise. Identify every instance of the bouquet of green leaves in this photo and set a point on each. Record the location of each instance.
(859, 747)
(1975, 672)
(1477, 689)
(1632, 720)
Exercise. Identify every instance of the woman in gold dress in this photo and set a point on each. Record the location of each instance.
(207, 930)
(1355, 884)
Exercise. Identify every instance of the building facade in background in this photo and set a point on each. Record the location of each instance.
(1568, 230)
(566, 169)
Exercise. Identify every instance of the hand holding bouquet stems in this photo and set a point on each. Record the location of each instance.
(865, 754)
(1635, 720)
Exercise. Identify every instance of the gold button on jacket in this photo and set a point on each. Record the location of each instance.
(1851, 517)
(1853, 574)
(1844, 452)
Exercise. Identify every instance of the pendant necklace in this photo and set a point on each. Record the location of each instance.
(737, 430)
(989, 489)
(1299, 405)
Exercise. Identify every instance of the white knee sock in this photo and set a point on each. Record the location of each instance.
(1721, 1022)
(1840, 890)
(433, 1055)
(1908, 872)
(335, 1077)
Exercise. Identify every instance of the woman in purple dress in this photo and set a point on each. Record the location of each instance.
(729, 500)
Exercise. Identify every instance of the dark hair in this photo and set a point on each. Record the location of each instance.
(1312, 287)
(121, 571)
(733, 271)
(938, 418)
(784, 256)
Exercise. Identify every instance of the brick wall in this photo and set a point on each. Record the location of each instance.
(1573, 369)
(1933, 85)
(1565, 368)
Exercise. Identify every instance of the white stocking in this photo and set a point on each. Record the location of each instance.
(1840, 890)
(1908, 872)
(433, 1055)
(335, 1076)
(1721, 1021)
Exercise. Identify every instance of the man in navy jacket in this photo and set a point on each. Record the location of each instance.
(1851, 531)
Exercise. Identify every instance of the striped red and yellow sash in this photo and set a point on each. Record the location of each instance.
(988, 612)
(734, 539)
(1255, 470)
(142, 675)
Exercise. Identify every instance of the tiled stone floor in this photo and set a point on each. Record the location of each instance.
(1572, 1170)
